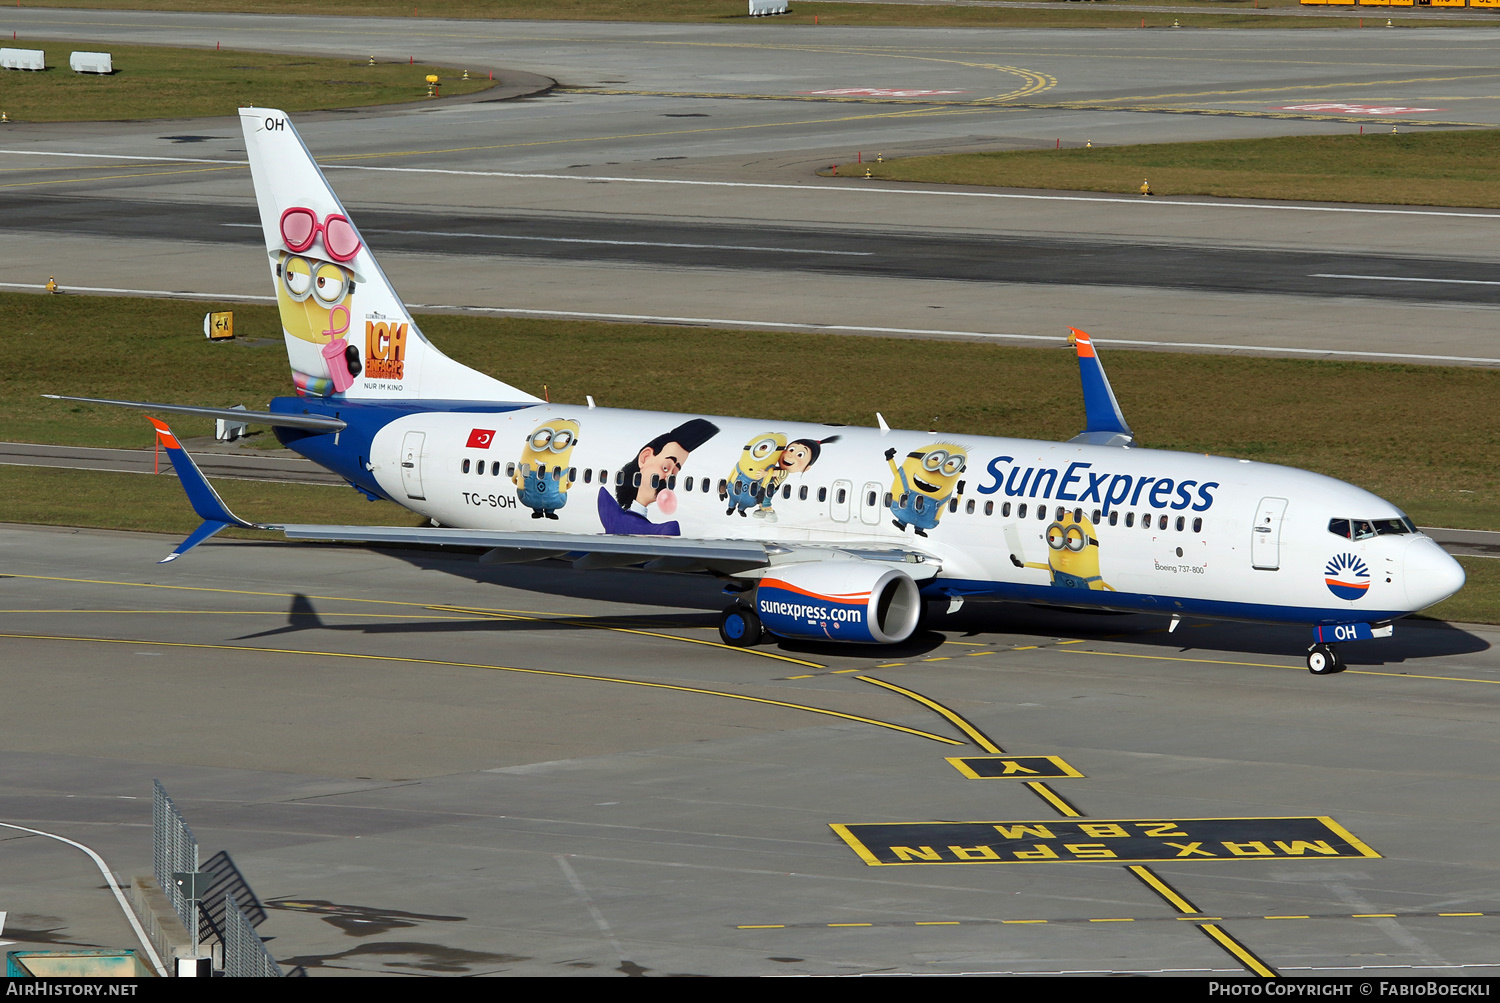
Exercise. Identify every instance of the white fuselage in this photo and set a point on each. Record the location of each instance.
(1240, 539)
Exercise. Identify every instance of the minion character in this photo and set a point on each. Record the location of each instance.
(924, 483)
(798, 455)
(1073, 554)
(748, 481)
(542, 476)
(315, 282)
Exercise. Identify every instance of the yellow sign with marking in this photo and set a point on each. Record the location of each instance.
(1012, 767)
(219, 326)
(1114, 840)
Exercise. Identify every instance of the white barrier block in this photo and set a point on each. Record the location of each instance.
(759, 8)
(23, 59)
(91, 62)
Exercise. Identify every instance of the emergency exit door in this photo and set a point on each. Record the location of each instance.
(1265, 537)
(411, 464)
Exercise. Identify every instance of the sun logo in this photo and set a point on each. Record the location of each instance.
(1347, 576)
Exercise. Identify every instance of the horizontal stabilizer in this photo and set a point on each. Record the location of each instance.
(316, 422)
(1106, 423)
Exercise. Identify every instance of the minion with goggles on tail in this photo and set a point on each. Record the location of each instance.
(1073, 554)
(315, 281)
(544, 474)
(925, 482)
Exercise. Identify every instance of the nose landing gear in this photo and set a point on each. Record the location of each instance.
(1324, 660)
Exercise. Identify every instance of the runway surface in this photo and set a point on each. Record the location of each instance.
(710, 135)
(427, 767)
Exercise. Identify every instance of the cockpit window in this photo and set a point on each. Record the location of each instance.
(1365, 529)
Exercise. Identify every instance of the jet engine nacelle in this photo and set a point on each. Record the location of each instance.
(841, 600)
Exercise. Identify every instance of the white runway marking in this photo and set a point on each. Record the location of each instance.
(1360, 210)
(615, 243)
(1403, 278)
(740, 322)
(114, 886)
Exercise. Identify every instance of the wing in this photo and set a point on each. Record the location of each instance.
(736, 558)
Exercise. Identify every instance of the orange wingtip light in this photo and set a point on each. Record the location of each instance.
(164, 433)
(1081, 341)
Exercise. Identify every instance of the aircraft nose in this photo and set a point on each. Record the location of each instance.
(1430, 573)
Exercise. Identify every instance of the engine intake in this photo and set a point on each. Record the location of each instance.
(854, 601)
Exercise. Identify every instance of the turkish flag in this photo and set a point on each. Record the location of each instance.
(480, 438)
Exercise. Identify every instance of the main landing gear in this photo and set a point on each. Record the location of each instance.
(739, 626)
(1324, 660)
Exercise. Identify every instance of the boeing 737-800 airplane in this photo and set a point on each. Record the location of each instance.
(822, 532)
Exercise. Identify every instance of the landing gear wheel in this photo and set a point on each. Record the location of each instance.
(740, 627)
(1324, 660)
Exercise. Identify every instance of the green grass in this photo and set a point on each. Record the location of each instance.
(1217, 13)
(42, 496)
(158, 82)
(1432, 445)
(1452, 168)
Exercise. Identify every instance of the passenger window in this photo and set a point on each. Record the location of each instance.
(723, 489)
(466, 466)
(635, 481)
(1114, 518)
(1062, 511)
(588, 475)
(1005, 510)
(510, 470)
(1180, 523)
(1162, 523)
(1339, 527)
(1021, 512)
(870, 501)
(840, 496)
(802, 493)
(1041, 513)
(689, 485)
(905, 497)
(823, 494)
(572, 473)
(1198, 525)
(1078, 515)
(1129, 520)
(887, 499)
(620, 478)
(969, 508)
(1095, 519)
(989, 508)
(786, 492)
(953, 505)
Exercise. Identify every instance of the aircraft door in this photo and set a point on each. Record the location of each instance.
(869, 503)
(1265, 537)
(411, 464)
(838, 505)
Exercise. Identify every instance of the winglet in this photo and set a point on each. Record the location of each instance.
(1106, 424)
(205, 500)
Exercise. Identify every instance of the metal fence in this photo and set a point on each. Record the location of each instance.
(174, 849)
(245, 954)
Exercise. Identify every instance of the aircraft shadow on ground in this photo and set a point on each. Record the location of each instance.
(1414, 639)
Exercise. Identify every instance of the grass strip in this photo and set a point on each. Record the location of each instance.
(1444, 168)
(160, 82)
(1217, 13)
(1425, 437)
